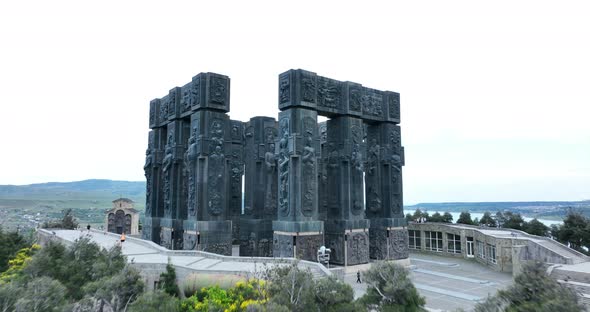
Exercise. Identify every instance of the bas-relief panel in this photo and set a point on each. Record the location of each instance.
(358, 248)
(283, 168)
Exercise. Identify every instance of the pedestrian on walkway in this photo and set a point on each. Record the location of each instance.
(123, 238)
(358, 277)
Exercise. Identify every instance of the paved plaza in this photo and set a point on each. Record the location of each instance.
(447, 283)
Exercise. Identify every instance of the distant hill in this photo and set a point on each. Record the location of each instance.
(79, 189)
(538, 209)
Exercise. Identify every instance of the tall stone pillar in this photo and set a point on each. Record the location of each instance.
(384, 202)
(260, 195)
(154, 197)
(347, 230)
(236, 171)
(208, 160)
(323, 172)
(174, 186)
(297, 232)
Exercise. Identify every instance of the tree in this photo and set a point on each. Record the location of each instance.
(168, 280)
(500, 219)
(575, 231)
(333, 295)
(487, 220)
(116, 291)
(10, 244)
(390, 289)
(536, 227)
(9, 294)
(447, 217)
(42, 294)
(155, 301)
(409, 217)
(532, 291)
(465, 218)
(291, 287)
(418, 214)
(68, 221)
(18, 263)
(513, 221)
(436, 217)
(83, 262)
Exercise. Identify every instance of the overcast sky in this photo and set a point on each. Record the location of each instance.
(495, 95)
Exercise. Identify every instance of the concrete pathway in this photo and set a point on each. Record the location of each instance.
(446, 283)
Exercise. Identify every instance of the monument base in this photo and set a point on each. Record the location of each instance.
(209, 236)
(171, 232)
(256, 238)
(348, 241)
(151, 230)
(235, 230)
(388, 243)
(302, 245)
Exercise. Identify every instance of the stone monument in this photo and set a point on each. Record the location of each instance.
(336, 184)
(260, 194)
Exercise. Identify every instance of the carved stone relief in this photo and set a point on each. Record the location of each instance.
(166, 172)
(189, 241)
(329, 93)
(358, 246)
(308, 86)
(216, 168)
(356, 96)
(270, 162)
(284, 89)
(218, 90)
(378, 244)
(308, 160)
(147, 168)
(163, 110)
(398, 244)
(394, 109)
(308, 245)
(190, 159)
(283, 246)
(283, 160)
(372, 104)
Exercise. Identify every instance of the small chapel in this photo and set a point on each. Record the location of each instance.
(123, 217)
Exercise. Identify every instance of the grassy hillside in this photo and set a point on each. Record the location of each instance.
(24, 205)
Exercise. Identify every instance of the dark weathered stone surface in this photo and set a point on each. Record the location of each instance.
(256, 238)
(303, 181)
(388, 243)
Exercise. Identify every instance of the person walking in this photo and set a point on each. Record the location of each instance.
(358, 277)
(123, 238)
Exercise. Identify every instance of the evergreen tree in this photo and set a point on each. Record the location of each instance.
(536, 227)
(487, 220)
(532, 291)
(465, 218)
(390, 289)
(447, 217)
(513, 221)
(575, 231)
(10, 244)
(436, 217)
(168, 280)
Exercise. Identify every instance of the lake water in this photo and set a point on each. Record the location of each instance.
(480, 214)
